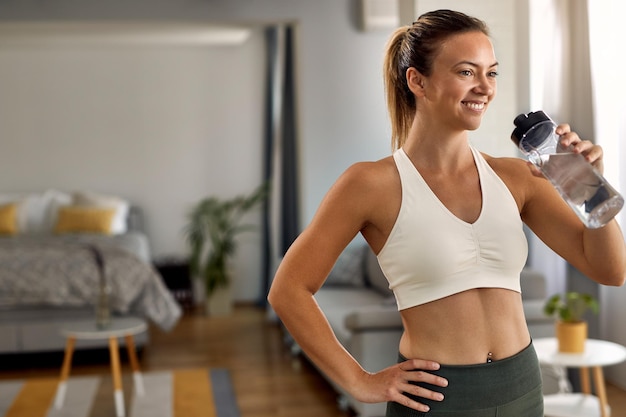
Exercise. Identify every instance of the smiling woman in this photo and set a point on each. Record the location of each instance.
(446, 222)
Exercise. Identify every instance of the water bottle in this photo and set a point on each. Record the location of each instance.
(591, 197)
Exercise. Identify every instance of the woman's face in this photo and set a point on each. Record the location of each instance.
(462, 82)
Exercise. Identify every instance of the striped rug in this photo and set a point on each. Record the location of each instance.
(179, 393)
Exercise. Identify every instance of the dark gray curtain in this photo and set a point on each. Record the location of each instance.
(281, 211)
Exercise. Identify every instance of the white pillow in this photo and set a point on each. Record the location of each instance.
(38, 212)
(121, 206)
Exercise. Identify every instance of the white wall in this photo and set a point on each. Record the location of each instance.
(341, 107)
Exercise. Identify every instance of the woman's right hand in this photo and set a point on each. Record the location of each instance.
(393, 382)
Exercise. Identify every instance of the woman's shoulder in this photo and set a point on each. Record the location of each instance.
(369, 174)
(363, 180)
(381, 166)
(370, 194)
(505, 165)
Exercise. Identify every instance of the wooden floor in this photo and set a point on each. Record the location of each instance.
(268, 380)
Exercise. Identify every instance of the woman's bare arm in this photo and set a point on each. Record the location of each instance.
(344, 212)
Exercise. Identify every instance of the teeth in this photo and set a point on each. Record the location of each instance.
(475, 106)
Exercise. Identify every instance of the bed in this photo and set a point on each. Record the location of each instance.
(49, 276)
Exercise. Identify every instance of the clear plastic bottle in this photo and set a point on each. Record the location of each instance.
(591, 197)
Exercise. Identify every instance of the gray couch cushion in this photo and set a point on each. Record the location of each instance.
(374, 317)
(349, 268)
(533, 284)
(374, 275)
(338, 302)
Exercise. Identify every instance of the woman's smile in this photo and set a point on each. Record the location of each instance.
(474, 105)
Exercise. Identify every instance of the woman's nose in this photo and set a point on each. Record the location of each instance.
(485, 86)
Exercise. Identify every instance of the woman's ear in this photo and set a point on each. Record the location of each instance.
(415, 81)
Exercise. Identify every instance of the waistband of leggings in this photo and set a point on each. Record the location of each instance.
(498, 382)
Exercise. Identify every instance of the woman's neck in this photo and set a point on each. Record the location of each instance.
(434, 148)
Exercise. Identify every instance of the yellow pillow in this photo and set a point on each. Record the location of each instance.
(76, 219)
(8, 219)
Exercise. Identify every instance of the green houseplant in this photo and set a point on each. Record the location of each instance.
(571, 328)
(211, 233)
(571, 306)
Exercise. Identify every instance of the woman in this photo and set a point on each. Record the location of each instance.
(446, 224)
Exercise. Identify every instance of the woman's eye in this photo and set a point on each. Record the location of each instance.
(465, 72)
(493, 74)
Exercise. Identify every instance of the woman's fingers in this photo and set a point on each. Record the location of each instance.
(393, 383)
(422, 392)
(410, 403)
(592, 153)
(419, 372)
(416, 371)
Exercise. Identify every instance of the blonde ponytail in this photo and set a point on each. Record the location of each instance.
(400, 100)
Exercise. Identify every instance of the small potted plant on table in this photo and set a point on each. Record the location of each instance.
(571, 328)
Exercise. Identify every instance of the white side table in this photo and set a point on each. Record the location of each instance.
(125, 327)
(598, 353)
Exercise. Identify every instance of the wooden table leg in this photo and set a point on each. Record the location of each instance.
(584, 380)
(117, 377)
(134, 363)
(598, 380)
(65, 373)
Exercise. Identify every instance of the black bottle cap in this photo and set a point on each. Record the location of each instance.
(524, 122)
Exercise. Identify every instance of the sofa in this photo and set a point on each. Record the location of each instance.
(49, 276)
(363, 314)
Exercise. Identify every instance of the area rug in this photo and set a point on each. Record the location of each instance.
(179, 393)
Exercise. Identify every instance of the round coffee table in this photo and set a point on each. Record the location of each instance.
(598, 353)
(125, 327)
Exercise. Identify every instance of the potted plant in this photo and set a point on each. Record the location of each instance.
(571, 328)
(211, 235)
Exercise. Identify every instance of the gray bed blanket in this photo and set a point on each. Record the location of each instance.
(61, 271)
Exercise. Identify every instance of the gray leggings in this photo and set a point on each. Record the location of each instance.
(509, 387)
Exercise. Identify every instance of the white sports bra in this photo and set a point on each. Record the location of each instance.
(430, 253)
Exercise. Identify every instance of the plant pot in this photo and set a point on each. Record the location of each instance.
(571, 337)
(199, 292)
(220, 302)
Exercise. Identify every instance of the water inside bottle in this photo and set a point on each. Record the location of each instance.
(583, 188)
